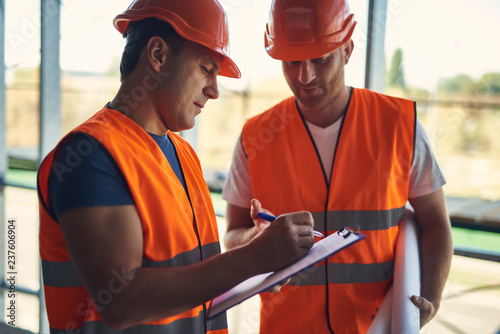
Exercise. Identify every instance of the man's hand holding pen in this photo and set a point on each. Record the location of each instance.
(289, 236)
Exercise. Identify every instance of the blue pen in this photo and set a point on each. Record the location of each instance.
(271, 218)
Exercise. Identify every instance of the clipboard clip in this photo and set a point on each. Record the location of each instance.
(346, 231)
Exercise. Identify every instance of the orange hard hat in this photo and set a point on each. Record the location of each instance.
(200, 21)
(307, 29)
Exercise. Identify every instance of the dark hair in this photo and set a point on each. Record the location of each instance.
(138, 34)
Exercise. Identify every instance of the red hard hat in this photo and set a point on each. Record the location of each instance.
(200, 21)
(307, 29)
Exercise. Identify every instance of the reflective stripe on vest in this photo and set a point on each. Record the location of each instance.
(187, 325)
(368, 189)
(362, 220)
(152, 183)
(63, 274)
(60, 274)
(193, 325)
(186, 258)
(344, 273)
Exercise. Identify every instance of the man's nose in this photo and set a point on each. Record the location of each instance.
(306, 72)
(212, 89)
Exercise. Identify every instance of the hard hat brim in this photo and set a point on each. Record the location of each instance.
(309, 49)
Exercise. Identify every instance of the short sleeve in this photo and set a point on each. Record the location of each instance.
(84, 174)
(425, 174)
(238, 187)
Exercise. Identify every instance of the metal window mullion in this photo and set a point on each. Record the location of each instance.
(375, 54)
(50, 101)
(50, 74)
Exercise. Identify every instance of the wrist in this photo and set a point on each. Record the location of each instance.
(246, 259)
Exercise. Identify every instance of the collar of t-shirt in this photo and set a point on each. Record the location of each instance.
(167, 147)
(326, 141)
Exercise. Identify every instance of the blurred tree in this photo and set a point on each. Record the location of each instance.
(395, 76)
(459, 84)
(489, 84)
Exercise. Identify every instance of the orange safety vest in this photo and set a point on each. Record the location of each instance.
(179, 227)
(368, 190)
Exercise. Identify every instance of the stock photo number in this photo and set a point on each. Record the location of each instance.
(11, 276)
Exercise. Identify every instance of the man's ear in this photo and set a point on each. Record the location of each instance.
(157, 51)
(348, 48)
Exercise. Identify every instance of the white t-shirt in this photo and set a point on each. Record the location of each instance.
(425, 175)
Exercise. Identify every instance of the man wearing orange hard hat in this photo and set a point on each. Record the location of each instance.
(128, 235)
(351, 157)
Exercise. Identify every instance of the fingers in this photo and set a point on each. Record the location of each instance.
(255, 207)
(276, 288)
(285, 240)
(422, 303)
(305, 236)
(298, 226)
(302, 223)
(427, 309)
(298, 218)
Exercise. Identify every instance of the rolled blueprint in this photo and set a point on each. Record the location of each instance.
(381, 324)
(398, 314)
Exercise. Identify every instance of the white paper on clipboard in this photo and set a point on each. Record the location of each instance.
(256, 284)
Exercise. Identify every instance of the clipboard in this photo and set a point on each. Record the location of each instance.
(319, 251)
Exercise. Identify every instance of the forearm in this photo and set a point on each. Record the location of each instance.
(239, 236)
(241, 228)
(157, 293)
(436, 250)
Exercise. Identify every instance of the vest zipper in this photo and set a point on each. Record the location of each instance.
(196, 232)
(328, 184)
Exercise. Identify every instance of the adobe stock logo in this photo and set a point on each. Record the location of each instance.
(267, 134)
(139, 92)
(30, 26)
(251, 321)
(381, 20)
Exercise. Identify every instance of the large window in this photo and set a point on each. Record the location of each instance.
(444, 55)
(22, 61)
